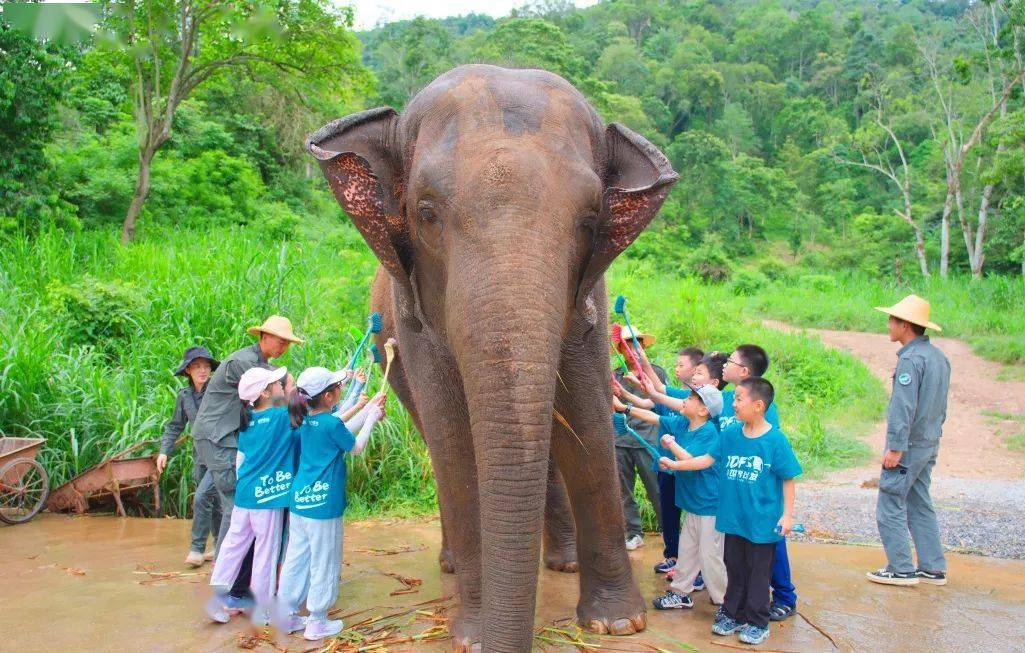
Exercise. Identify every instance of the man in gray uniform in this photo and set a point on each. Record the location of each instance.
(633, 459)
(215, 430)
(914, 424)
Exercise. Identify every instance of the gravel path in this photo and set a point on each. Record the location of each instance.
(978, 484)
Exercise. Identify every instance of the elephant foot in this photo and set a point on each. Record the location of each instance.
(446, 561)
(563, 559)
(466, 636)
(617, 610)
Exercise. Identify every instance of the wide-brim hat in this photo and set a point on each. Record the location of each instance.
(276, 325)
(646, 339)
(911, 309)
(195, 353)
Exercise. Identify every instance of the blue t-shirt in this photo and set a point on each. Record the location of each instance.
(319, 486)
(751, 475)
(728, 417)
(269, 446)
(697, 491)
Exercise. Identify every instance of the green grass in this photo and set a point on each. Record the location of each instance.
(1015, 438)
(92, 332)
(987, 313)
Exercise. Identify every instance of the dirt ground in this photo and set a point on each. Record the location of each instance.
(101, 583)
(978, 483)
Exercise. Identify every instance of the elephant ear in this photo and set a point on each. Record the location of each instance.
(361, 161)
(637, 179)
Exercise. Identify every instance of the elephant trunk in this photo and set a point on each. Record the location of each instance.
(512, 333)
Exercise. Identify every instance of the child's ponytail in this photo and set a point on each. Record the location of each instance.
(298, 407)
(245, 413)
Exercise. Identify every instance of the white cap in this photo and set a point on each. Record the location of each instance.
(256, 379)
(314, 380)
(711, 397)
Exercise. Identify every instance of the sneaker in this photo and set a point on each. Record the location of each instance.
(781, 611)
(672, 601)
(291, 623)
(726, 626)
(752, 634)
(720, 614)
(321, 628)
(194, 559)
(633, 542)
(665, 566)
(208, 556)
(699, 583)
(238, 603)
(214, 608)
(931, 577)
(886, 577)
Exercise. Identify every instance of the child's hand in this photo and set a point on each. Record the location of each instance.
(786, 525)
(618, 405)
(668, 440)
(663, 463)
(363, 399)
(617, 388)
(632, 378)
(647, 386)
(361, 376)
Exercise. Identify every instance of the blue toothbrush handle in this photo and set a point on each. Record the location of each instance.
(359, 350)
(633, 334)
(796, 528)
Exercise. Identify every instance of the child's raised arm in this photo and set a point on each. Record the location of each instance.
(660, 397)
(373, 413)
(640, 413)
(649, 371)
(626, 395)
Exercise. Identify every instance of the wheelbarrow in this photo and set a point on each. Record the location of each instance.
(117, 477)
(23, 481)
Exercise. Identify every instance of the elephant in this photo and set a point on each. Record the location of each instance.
(494, 203)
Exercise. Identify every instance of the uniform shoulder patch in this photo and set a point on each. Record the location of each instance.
(904, 379)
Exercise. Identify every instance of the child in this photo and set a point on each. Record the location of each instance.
(749, 361)
(266, 463)
(313, 559)
(197, 365)
(756, 494)
(697, 492)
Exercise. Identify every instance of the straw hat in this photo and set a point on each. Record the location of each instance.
(276, 326)
(911, 309)
(646, 339)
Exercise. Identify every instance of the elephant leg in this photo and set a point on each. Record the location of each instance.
(560, 549)
(610, 601)
(446, 561)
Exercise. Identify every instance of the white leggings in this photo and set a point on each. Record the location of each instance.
(313, 562)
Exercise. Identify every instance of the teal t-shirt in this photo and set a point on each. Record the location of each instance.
(319, 486)
(697, 491)
(751, 475)
(728, 417)
(269, 446)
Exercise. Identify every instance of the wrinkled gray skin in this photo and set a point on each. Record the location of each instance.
(495, 203)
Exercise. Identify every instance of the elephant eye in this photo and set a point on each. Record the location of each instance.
(427, 215)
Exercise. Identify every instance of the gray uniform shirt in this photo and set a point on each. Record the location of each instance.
(647, 431)
(186, 407)
(218, 418)
(918, 406)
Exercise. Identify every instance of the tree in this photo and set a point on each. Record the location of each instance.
(532, 43)
(174, 47)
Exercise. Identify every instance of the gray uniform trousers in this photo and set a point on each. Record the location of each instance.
(904, 505)
(220, 467)
(631, 461)
(206, 506)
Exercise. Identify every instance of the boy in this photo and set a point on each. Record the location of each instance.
(756, 494)
(697, 492)
(744, 362)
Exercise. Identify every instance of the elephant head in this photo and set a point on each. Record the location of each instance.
(496, 201)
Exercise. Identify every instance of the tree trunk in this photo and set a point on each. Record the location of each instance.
(923, 264)
(979, 257)
(139, 197)
(948, 205)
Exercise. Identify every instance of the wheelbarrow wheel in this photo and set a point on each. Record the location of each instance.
(24, 487)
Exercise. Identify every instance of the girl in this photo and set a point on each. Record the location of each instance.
(197, 364)
(314, 556)
(266, 464)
